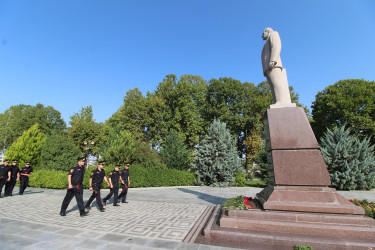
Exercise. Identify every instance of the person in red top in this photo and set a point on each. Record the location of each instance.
(25, 173)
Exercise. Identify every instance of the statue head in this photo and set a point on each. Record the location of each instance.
(266, 33)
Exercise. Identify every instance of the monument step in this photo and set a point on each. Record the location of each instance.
(285, 216)
(306, 228)
(251, 239)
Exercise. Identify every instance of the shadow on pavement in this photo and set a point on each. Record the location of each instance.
(206, 197)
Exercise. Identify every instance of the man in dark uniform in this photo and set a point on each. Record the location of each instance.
(114, 177)
(4, 174)
(25, 173)
(125, 183)
(96, 180)
(75, 187)
(14, 177)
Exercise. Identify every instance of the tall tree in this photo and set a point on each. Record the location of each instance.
(216, 161)
(84, 128)
(19, 118)
(120, 147)
(58, 152)
(28, 147)
(185, 99)
(348, 102)
(175, 153)
(132, 115)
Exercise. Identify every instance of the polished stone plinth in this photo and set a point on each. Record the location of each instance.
(299, 179)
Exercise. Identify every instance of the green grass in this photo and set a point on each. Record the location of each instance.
(255, 183)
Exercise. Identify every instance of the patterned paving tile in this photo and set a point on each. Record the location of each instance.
(154, 220)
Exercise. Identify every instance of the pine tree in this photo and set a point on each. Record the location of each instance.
(216, 161)
(351, 162)
(175, 152)
(28, 147)
(59, 153)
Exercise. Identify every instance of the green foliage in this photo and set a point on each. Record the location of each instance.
(348, 102)
(153, 177)
(262, 169)
(49, 179)
(351, 162)
(216, 161)
(146, 156)
(132, 115)
(139, 177)
(59, 153)
(239, 179)
(84, 128)
(253, 144)
(120, 147)
(19, 118)
(175, 153)
(302, 247)
(369, 207)
(27, 147)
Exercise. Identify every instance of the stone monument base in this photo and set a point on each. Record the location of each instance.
(307, 199)
(261, 229)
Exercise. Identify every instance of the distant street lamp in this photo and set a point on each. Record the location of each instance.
(88, 145)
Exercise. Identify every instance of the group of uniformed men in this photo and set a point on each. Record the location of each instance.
(10, 174)
(75, 188)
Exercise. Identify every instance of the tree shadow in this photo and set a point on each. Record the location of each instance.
(206, 197)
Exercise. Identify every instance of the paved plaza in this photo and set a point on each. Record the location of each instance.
(154, 218)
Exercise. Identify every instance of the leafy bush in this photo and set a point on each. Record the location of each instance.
(351, 162)
(239, 179)
(139, 177)
(368, 206)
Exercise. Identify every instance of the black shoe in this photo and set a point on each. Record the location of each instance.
(125, 202)
(116, 205)
(102, 209)
(62, 213)
(104, 202)
(83, 213)
(11, 195)
(20, 193)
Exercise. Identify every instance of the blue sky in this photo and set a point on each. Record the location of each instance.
(71, 54)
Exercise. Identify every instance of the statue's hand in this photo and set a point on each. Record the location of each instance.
(272, 64)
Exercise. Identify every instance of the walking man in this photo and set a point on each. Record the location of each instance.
(125, 183)
(96, 180)
(14, 177)
(114, 177)
(25, 173)
(4, 174)
(75, 188)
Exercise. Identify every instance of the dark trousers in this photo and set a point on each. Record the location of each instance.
(124, 192)
(76, 191)
(10, 185)
(2, 182)
(114, 191)
(95, 194)
(24, 183)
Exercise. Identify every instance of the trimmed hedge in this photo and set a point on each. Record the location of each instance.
(139, 177)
